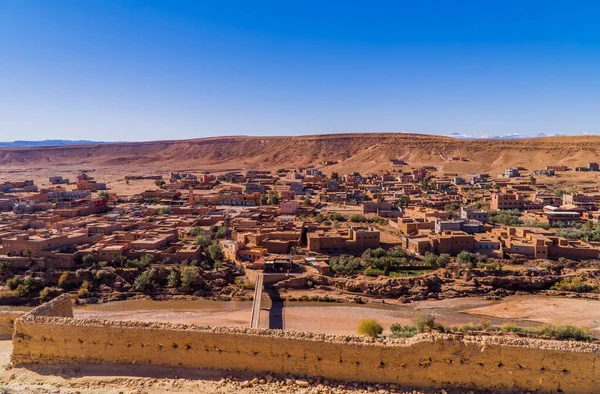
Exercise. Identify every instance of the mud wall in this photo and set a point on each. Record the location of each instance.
(500, 363)
(7, 319)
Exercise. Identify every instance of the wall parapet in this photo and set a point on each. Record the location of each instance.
(426, 360)
(61, 306)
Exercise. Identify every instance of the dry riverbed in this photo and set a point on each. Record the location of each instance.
(342, 318)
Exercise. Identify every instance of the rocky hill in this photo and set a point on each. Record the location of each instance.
(362, 152)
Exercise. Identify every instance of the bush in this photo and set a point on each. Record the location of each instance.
(45, 294)
(173, 280)
(442, 260)
(430, 259)
(576, 284)
(358, 219)
(467, 258)
(219, 232)
(67, 280)
(13, 283)
(188, 276)
(144, 282)
(27, 286)
(4, 266)
(202, 240)
(424, 322)
(555, 332)
(88, 259)
(344, 264)
(84, 290)
(144, 262)
(369, 327)
(22, 290)
(399, 331)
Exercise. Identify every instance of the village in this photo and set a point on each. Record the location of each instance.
(209, 234)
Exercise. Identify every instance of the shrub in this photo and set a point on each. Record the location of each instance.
(4, 266)
(202, 240)
(45, 294)
(13, 283)
(102, 275)
(144, 262)
(576, 284)
(88, 259)
(173, 280)
(358, 219)
(467, 258)
(27, 286)
(344, 264)
(188, 276)
(442, 260)
(424, 322)
(164, 211)
(556, 332)
(219, 231)
(474, 327)
(67, 280)
(430, 259)
(399, 331)
(144, 282)
(336, 216)
(84, 290)
(23, 290)
(369, 327)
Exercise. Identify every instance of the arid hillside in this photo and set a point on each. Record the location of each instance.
(362, 152)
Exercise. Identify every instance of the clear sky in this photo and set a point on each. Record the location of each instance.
(117, 70)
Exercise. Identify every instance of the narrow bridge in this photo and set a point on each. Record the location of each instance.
(258, 290)
(276, 309)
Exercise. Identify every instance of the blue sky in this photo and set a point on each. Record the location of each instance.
(117, 70)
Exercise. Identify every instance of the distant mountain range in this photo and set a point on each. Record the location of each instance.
(45, 143)
(25, 144)
(502, 137)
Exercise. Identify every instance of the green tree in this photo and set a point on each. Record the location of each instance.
(215, 252)
(430, 259)
(203, 241)
(88, 259)
(273, 198)
(144, 282)
(443, 260)
(467, 258)
(335, 176)
(188, 276)
(403, 201)
(344, 264)
(264, 199)
(307, 200)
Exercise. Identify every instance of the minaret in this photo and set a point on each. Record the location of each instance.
(191, 196)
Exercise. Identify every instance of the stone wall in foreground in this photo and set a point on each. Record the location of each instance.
(501, 363)
(7, 320)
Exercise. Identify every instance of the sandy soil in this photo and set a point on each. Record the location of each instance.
(550, 310)
(240, 317)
